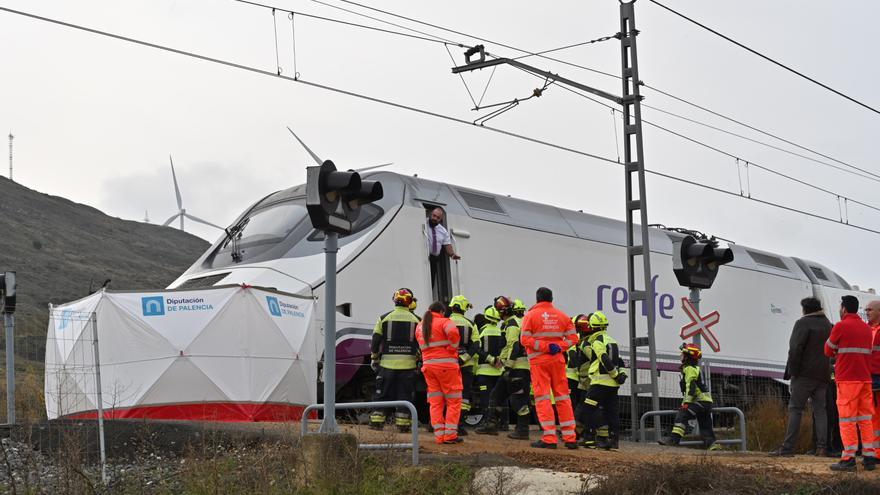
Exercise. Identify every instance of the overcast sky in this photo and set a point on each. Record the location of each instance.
(95, 118)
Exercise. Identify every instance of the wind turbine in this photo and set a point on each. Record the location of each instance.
(181, 213)
(319, 161)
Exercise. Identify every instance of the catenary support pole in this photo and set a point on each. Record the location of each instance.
(331, 247)
(638, 249)
(99, 399)
(9, 323)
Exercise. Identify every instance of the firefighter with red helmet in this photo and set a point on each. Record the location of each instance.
(697, 401)
(394, 353)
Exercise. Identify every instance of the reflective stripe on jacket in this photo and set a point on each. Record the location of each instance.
(850, 344)
(491, 344)
(394, 339)
(514, 354)
(603, 366)
(544, 325)
(692, 386)
(442, 349)
(469, 345)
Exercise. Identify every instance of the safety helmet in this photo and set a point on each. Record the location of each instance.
(503, 305)
(598, 321)
(519, 307)
(691, 351)
(403, 297)
(492, 315)
(461, 303)
(581, 323)
(413, 305)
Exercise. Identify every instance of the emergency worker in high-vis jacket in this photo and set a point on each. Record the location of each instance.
(438, 339)
(468, 347)
(515, 384)
(851, 344)
(696, 403)
(519, 310)
(394, 355)
(578, 372)
(547, 333)
(489, 364)
(606, 376)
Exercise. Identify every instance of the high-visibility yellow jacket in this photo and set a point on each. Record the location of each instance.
(469, 345)
(692, 386)
(606, 359)
(492, 342)
(394, 340)
(513, 354)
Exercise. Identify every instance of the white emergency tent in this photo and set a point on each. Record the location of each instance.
(231, 353)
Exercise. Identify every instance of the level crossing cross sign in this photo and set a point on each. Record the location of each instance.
(700, 325)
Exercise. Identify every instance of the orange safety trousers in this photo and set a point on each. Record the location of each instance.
(876, 421)
(549, 376)
(855, 406)
(444, 397)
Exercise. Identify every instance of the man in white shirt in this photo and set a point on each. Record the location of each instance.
(439, 244)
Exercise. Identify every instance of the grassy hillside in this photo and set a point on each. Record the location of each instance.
(57, 247)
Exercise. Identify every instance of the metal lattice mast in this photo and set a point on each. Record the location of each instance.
(636, 204)
(11, 137)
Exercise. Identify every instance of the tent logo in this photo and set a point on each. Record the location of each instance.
(274, 307)
(153, 306)
(65, 319)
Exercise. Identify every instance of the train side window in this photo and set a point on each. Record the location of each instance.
(481, 202)
(768, 260)
(819, 273)
(370, 214)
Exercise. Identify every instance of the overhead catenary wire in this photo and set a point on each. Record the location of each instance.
(354, 24)
(767, 58)
(718, 150)
(753, 128)
(866, 175)
(560, 147)
(607, 74)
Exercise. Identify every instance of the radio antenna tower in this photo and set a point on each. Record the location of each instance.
(11, 137)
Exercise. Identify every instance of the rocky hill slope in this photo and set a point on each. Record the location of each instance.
(59, 248)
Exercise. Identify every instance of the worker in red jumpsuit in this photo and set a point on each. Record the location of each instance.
(872, 309)
(438, 339)
(546, 334)
(851, 343)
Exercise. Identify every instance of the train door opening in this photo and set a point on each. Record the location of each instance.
(437, 239)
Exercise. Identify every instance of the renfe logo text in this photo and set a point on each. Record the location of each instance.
(618, 298)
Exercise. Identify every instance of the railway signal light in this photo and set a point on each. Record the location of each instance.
(695, 262)
(7, 292)
(334, 198)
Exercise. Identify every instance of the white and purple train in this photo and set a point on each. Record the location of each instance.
(509, 246)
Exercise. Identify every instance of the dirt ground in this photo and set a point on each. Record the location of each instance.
(630, 455)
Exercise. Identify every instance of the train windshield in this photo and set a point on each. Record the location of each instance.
(271, 224)
(280, 230)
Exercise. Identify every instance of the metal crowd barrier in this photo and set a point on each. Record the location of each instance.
(733, 441)
(375, 405)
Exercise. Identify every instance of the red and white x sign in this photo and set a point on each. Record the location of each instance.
(700, 325)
